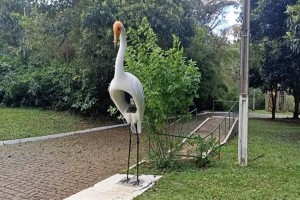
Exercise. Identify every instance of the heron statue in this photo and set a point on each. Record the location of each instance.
(127, 93)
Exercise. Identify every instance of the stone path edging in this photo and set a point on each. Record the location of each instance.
(46, 137)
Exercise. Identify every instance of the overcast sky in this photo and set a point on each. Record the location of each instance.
(229, 20)
(231, 15)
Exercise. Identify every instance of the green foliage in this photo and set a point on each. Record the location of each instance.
(259, 99)
(268, 18)
(277, 32)
(170, 82)
(256, 60)
(218, 62)
(293, 22)
(57, 87)
(208, 12)
(11, 31)
(293, 39)
(290, 104)
(166, 17)
(54, 66)
(74, 38)
(206, 149)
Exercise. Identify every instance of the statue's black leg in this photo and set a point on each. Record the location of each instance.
(128, 162)
(138, 156)
(137, 182)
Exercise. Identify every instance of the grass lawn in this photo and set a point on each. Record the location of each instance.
(273, 170)
(19, 123)
(270, 113)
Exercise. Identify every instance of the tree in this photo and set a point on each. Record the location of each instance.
(257, 59)
(58, 54)
(217, 61)
(268, 19)
(165, 17)
(268, 28)
(293, 39)
(11, 32)
(272, 70)
(207, 12)
(293, 22)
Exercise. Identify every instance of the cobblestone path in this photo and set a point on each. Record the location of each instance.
(58, 168)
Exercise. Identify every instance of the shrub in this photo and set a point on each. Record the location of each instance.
(170, 83)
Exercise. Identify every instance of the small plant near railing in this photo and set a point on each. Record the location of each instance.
(164, 147)
(205, 150)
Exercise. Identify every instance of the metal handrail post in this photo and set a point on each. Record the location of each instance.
(219, 133)
(229, 119)
(225, 126)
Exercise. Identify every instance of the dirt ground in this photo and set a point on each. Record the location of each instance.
(58, 168)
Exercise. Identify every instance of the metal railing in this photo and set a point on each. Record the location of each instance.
(225, 124)
(184, 125)
(224, 106)
(182, 129)
(177, 128)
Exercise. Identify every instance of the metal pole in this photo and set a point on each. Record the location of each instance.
(213, 107)
(244, 86)
(253, 108)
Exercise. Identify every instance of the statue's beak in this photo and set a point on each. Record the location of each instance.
(116, 39)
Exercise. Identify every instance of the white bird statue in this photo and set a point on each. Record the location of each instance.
(127, 93)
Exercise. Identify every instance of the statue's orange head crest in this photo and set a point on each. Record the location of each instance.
(117, 29)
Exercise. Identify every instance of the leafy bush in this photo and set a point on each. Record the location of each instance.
(259, 99)
(170, 83)
(205, 150)
(290, 103)
(58, 86)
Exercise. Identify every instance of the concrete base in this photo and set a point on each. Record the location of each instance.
(111, 188)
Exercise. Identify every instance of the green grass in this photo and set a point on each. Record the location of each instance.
(19, 123)
(272, 172)
(270, 113)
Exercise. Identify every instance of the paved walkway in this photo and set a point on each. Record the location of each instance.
(58, 168)
(210, 125)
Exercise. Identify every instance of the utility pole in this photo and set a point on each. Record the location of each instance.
(244, 87)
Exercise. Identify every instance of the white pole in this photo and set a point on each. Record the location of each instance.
(244, 86)
(253, 107)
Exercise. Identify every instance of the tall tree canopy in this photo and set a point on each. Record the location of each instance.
(268, 29)
(58, 54)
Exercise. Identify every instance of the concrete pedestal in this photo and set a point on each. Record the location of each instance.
(111, 188)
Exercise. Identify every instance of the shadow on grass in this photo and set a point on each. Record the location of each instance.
(283, 129)
(293, 138)
(285, 121)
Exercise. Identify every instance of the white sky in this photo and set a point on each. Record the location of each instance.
(231, 15)
(229, 19)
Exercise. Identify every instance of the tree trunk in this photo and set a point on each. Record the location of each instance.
(296, 95)
(274, 98)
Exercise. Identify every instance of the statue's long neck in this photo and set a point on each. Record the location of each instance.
(119, 68)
